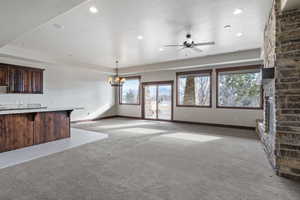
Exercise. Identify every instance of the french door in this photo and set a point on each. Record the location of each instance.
(158, 100)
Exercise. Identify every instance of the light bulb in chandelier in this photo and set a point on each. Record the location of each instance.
(116, 81)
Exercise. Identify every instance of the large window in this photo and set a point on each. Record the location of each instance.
(239, 88)
(130, 91)
(194, 88)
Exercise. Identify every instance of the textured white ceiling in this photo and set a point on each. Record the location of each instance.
(18, 17)
(99, 39)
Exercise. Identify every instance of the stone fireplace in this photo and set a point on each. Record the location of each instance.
(269, 121)
(280, 129)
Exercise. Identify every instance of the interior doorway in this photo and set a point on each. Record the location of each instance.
(158, 100)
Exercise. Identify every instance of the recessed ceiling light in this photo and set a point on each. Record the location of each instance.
(140, 37)
(161, 49)
(237, 11)
(239, 34)
(93, 9)
(58, 26)
(227, 27)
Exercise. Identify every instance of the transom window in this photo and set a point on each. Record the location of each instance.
(130, 91)
(194, 88)
(239, 88)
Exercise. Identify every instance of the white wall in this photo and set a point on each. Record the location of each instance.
(239, 117)
(88, 88)
(67, 86)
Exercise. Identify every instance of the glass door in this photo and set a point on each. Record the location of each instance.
(164, 104)
(150, 102)
(158, 100)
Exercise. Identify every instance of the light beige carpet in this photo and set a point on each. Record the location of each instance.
(149, 160)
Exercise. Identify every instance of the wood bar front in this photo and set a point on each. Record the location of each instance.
(27, 129)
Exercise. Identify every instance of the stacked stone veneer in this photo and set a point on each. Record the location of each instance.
(282, 51)
(269, 138)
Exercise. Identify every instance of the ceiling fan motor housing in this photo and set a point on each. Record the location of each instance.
(188, 44)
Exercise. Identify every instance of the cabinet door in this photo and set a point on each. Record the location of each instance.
(23, 80)
(37, 81)
(16, 131)
(27, 81)
(16, 83)
(2, 134)
(3, 76)
(11, 80)
(50, 126)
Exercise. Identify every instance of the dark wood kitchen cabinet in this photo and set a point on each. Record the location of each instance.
(16, 131)
(44, 129)
(15, 80)
(28, 129)
(3, 76)
(21, 79)
(36, 81)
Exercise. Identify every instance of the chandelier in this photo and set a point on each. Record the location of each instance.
(116, 81)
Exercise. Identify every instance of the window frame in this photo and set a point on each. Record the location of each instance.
(139, 91)
(234, 69)
(178, 74)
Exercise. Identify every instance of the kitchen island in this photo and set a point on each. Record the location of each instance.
(23, 128)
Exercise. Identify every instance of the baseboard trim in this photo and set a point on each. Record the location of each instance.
(200, 123)
(97, 119)
(215, 124)
(108, 117)
(174, 121)
(129, 117)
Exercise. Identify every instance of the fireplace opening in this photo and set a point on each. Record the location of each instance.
(267, 114)
(268, 123)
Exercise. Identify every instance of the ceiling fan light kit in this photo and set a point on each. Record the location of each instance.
(189, 43)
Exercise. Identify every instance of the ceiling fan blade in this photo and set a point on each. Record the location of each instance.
(174, 45)
(182, 48)
(204, 43)
(196, 49)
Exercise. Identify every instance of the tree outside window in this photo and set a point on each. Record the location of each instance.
(194, 89)
(240, 89)
(130, 91)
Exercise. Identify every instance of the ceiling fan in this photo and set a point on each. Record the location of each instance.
(190, 44)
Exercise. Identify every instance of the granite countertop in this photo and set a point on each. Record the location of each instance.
(36, 110)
